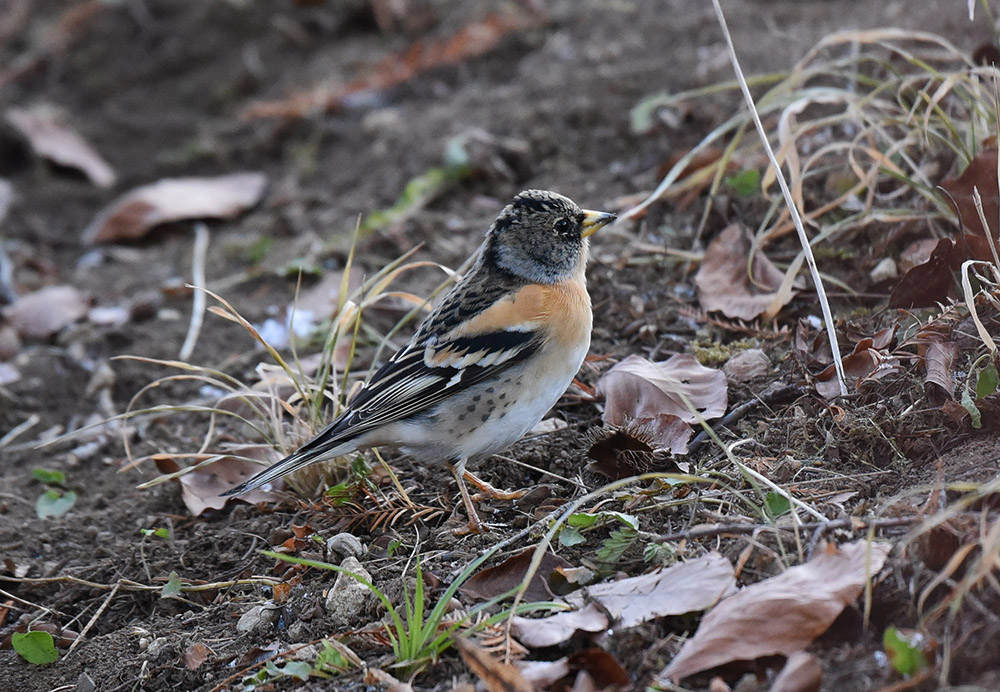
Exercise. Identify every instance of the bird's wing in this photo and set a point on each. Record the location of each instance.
(446, 357)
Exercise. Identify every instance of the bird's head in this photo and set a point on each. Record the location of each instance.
(541, 236)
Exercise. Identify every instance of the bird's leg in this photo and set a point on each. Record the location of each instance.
(487, 490)
(474, 526)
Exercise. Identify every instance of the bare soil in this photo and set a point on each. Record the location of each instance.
(159, 87)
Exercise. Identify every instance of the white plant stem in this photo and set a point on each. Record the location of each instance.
(792, 209)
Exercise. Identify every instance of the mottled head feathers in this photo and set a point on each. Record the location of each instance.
(538, 237)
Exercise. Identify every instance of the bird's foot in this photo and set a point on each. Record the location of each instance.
(487, 491)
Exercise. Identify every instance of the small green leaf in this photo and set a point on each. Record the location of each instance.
(48, 476)
(172, 587)
(615, 545)
(904, 652)
(35, 647)
(54, 503)
(745, 183)
(583, 520)
(330, 660)
(295, 669)
(969, 405)
(987, 382)
(776, 504)
(570, 536)
(338, 494)
(159, 533)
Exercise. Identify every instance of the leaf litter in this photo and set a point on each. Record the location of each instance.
(782, 614)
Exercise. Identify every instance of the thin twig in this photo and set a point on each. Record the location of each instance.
(789, 201)
(200, 300)
(824, 526)
(94, 619)
(129, 585)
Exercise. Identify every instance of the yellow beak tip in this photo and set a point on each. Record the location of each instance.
(595, 220)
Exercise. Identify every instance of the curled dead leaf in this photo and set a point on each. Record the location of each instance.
(865, 365)
(780, 615)
(51, 137)
(194, 655)
(493, 581)
(559, 628)
(201, 489)
(42, 313)
(639, 388)
(802, 673)
(682, 588)
(724, 284)
(175, 199)
(939, 362)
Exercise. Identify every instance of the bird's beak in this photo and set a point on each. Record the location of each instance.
(594, 220)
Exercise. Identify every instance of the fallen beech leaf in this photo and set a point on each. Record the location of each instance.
(544, 674)
(866, 364)
(174, 199)
(44, 312)
(52, 138)
(603, 668)
(682, 588)
(939, 361)
(916, 253)
(780, 615)
(495, 675)
(201, 489)
(556, 629)
(722, 279)
(802, 673)
(981, 174)
(194, 655)
(493, 581)
(639, 388)
(933, 281)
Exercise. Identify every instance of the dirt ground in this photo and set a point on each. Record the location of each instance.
(162, 89)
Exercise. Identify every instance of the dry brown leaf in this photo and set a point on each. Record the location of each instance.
(51, 137)
(981, 174)
(723, 283)
(939, 362)
(493, 581)
(44, 312)
(682, 588)
(556, 629)
(780, 615)
(132, 215)
(933, 281)
(194, 655)
(865, 365)
(802, 673)
(639, 388)
(496, 675)
(201, 489)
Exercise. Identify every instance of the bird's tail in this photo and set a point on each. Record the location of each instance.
(321, 446)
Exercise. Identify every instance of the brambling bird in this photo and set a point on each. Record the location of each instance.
(488, 362)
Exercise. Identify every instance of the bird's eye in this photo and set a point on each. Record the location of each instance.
(562, 226)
